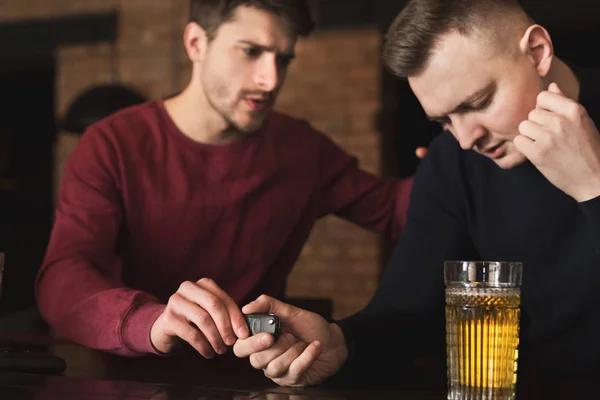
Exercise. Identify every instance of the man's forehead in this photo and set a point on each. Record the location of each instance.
(456, 71)
(447, 96)
(258, 26)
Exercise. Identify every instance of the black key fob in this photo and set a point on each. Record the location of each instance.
(258, 323)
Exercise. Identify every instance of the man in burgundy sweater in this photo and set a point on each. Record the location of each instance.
(171, 213)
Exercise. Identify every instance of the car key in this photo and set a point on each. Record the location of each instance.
(258, 323)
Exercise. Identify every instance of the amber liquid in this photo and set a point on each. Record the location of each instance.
(482, 338)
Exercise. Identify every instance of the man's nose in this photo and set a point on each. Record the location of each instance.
(267, 74)
(468, 133)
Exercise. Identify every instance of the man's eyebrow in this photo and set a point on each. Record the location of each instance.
(467, 103)
(288, 55)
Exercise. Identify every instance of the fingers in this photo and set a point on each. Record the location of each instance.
(260, 360)
(280, 365)
(543, 117)
(555, 101)
(180, 327)
(209, 312)
(525, 145)
(274, 359)
(256, 307)
(181, 306)
(533, 131)
(236, 318)
(212, 312)
(303, 362)
(254, 344)
(555, 89)
(284, 362)
(267, 304)
(203, 315)
(290, 369)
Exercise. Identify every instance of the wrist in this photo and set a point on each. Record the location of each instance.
(339, 343)
(136, 324)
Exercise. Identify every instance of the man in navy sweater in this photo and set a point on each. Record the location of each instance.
(515, 177)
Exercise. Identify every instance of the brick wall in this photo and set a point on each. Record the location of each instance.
(334, 83)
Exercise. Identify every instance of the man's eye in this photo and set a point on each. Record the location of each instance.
(482, 105)
(284, 61)
(251, 51)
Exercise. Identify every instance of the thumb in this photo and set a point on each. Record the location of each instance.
(267, 304)
(555, 89)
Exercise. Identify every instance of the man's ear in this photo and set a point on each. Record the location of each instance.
(195, 41)
(536, 45)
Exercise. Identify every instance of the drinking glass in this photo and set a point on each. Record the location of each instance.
(482, 328)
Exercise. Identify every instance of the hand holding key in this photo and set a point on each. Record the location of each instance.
(201, 314)
(308, 351)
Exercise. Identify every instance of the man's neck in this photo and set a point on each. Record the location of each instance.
(565, 78)
(198, 121)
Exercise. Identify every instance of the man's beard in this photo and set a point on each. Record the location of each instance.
(227, 112)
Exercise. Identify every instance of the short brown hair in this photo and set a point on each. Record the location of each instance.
(211, 14)
(413, 35)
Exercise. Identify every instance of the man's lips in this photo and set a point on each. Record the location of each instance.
(494, 151)
(257, 103)
(491, 148)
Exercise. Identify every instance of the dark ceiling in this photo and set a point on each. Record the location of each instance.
(27, 37)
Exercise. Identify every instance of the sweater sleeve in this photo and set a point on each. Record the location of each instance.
(374, 203)
(78, 288)
(405, 320)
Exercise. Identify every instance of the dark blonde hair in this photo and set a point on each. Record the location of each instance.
(415, 32)
(211, 14)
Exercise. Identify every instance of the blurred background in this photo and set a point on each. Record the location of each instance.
(64, 62)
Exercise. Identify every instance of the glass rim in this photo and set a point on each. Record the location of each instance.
(499, 262)
(488, 274)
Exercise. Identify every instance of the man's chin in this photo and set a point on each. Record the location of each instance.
(511, 160)
(251, 125)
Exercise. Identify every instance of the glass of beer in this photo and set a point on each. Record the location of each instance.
(482, 328)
